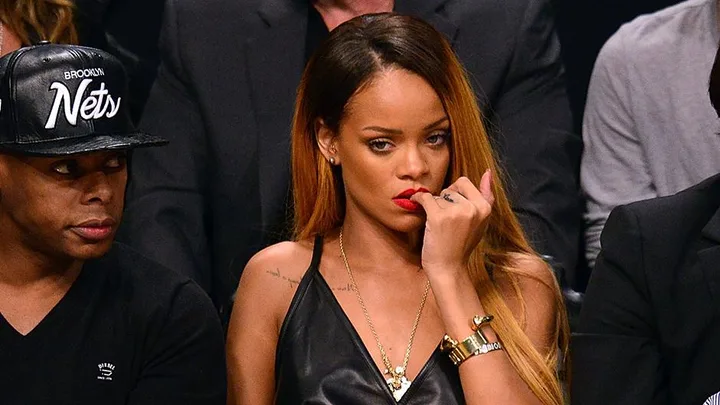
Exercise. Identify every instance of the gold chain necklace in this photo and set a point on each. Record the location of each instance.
(397, 382)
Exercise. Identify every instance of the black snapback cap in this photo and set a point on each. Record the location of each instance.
(65, 99)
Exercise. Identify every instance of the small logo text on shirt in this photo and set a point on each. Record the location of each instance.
(106, 371)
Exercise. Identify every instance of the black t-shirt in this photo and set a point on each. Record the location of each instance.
(127, 332)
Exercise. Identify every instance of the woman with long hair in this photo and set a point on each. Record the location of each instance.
(409, 278)
(26, 22)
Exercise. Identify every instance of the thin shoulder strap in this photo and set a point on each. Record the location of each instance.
(317, 253)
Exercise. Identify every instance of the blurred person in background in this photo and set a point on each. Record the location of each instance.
(645, 130)
(128, 29)
(26, 22)
(650, 324)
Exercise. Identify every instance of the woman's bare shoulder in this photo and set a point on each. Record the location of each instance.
(530, 268)
(269, 282)
(279, 267)
(533, 297)
(530, 277)
(267, 287)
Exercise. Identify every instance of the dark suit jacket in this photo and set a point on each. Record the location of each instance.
(128, 29)
(224, 97)
(649, 328)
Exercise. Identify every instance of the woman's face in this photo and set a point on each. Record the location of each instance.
(392, 142)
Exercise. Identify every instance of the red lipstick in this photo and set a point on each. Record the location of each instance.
(411, 191)
(403, 199)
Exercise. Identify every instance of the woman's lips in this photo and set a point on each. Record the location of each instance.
(406, 204)
(411, 191)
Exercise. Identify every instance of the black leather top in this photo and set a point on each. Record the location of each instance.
(320, 358)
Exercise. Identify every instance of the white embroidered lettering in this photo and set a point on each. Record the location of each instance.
(114, 107)
(89, 107)
(99, 93)
(83, 73)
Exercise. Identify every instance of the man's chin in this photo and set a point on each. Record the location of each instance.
(91, 251)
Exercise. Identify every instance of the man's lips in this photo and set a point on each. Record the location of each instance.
(95, 229)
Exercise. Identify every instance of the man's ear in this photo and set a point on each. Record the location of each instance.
(327, 142)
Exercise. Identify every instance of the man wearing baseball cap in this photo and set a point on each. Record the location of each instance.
(84, 320)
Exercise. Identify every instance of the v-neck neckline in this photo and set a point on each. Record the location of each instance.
(429, 364)
(52, 317)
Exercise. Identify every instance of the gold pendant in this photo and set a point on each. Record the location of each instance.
(397, 382)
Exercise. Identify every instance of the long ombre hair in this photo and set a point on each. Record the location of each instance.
(346, 62)
(50, 20)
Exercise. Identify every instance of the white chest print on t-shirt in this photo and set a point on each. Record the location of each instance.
(106, 371)
(713, 400)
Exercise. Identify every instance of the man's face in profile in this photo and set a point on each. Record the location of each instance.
(66, 207)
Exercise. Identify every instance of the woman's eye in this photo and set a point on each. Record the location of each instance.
(438, 138)
(380, 145)
(65, 167)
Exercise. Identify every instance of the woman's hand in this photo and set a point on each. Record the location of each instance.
(456, 222)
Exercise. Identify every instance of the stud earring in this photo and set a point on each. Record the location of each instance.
(332, 161)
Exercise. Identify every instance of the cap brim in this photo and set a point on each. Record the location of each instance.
(87, 144)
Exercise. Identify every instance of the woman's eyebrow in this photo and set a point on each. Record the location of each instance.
(436, 123)
(393, 131)
(390, 131)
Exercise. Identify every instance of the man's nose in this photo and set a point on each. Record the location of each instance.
(98, 188)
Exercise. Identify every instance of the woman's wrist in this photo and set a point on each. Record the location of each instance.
(447, 277)
(457, 301)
